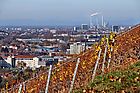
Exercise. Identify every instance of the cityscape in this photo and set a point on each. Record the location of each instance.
(99, 53)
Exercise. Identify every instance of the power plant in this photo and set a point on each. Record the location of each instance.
(95, 22)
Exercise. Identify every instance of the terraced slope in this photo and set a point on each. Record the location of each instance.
(126, 78)
(127, 48)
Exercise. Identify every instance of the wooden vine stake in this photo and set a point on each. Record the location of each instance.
(103, 64)
(24, 87)
(75, 71)
(48, 80)
(20, 88)
(96, 65)
(111, 50)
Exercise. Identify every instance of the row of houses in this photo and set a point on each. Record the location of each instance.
(24, 61)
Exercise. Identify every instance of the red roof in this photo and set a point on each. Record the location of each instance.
(25, 56)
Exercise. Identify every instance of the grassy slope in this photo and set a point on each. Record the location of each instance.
(122, 81)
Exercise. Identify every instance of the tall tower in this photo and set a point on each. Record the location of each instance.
(102, 21)
(91, 23)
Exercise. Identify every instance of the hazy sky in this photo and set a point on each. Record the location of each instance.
(67, 12)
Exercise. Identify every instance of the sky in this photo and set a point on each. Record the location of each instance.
(68, 12)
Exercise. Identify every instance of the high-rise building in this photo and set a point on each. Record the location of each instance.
(75, 28)
(115, 28)
(84, 27)
(77, 48)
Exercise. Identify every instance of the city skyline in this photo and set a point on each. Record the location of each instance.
(62, 12)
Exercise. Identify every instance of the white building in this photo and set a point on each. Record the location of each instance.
(77, 48)
(29, 60)
(53, 31)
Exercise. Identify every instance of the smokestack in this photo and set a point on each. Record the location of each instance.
(102, 21)
(96, 19)
(97, 22)
(91, 24)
